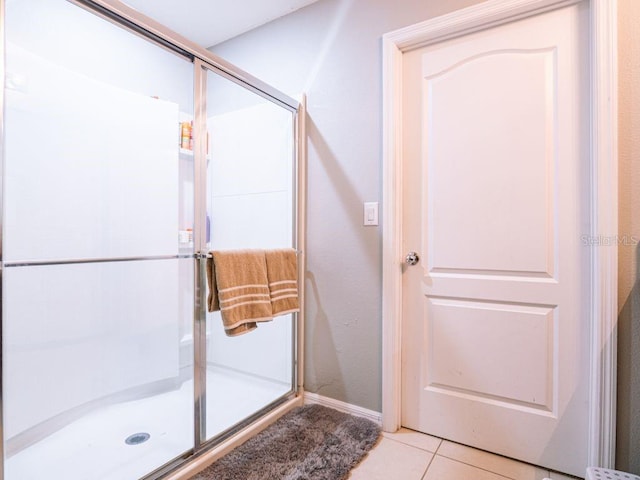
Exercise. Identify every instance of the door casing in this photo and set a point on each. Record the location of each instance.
(603, 202)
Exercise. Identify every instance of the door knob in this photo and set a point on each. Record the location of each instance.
(412, 258)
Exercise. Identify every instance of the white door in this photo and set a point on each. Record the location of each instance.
(495, 177)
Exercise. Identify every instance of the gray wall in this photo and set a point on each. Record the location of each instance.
(629, 218)
(332, 51)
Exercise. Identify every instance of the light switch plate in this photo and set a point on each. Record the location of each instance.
(370, 213)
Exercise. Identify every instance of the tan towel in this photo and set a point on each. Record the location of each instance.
(241, 287)
(213, 305)
(282, 271)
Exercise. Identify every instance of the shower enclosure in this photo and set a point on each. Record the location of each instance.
(129, 154)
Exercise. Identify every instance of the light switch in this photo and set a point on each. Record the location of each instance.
(371, 213)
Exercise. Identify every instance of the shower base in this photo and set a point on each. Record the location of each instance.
(94, 447)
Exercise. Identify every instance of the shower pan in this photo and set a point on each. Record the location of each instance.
(128, 154)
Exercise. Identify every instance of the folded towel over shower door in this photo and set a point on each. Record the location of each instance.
(282, 272)
(250, 286)
(239, 287)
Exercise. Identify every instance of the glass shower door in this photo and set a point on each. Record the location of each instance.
(97, 267)
(250, 204)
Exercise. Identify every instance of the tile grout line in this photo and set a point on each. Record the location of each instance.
(535, 467)
(476, 466)
(439, 446)
(422, 477)
(431, 461)
(441, 443)
(412, 444)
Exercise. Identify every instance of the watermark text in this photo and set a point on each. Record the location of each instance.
(609, 240)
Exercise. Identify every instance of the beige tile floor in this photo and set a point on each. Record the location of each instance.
(409, 455)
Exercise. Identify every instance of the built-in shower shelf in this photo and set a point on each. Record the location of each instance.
(189, 153)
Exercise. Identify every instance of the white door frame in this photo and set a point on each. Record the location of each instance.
(603, 202)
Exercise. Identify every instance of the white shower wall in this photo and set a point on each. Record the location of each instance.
(83, 42)
(251, 206)
(80, 156)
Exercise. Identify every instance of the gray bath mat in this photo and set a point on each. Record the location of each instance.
(308, 443)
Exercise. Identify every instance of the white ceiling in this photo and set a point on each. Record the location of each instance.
(208, 22)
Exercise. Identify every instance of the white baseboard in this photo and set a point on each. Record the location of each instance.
(372, 415)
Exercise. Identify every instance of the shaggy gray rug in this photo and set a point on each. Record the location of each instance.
(308, 443)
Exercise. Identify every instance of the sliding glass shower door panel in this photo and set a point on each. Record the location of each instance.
(92, 366)
(93, 118)
(250, 205)
(114, 190)
(98, 274)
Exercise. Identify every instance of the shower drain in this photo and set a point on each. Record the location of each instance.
(137, 438)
